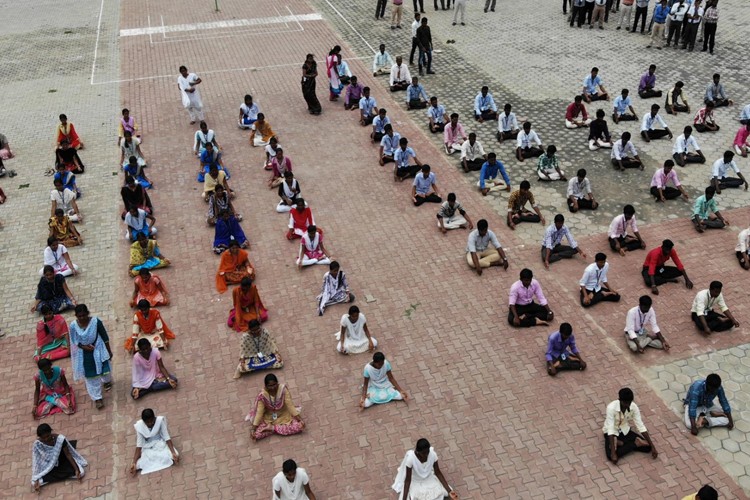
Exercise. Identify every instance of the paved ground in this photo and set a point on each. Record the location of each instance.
(480, 393)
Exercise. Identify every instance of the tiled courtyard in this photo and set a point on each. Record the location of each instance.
(479, 389)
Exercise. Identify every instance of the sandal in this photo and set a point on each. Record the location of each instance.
(99, 404)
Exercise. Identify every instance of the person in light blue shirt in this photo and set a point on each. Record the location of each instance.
(484, 106)
(368, 108)
(706, 213)
(438, 116)
(424, 188)
(489, 172)
(700, 410)
(416, 97)
(388, 144)
(378, 125)
(402, 156)
(745, 115)
(621, 106)
(593, 90)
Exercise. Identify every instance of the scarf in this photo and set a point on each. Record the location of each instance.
(142, 429)
(50, 381)
(290, 192)
(331, 286)
(44, 458)
(311, 245)
(272, 406)
(87, 336)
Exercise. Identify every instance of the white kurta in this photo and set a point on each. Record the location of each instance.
(155, 454)
(355, 340)
(191, 100)
(424, 483)
(291, 491)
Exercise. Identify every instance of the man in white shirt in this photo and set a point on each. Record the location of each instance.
(636, 321)
(705, 317)
(619, 438)
(594, 285)
(619, 239)
(742, 250)
(682, 146)
(292, 483)
(507, 124)
(719, 178)
(485, 108)
(414, 44)
(659, 188)
(676, 15)
(400, 76)
(472, 154)
(248, 113)
(382, 63)
(579, 193)
(694, 17)
(479, 255)
(524, 143)
(388, 145)
(648, 132)
(624, 154)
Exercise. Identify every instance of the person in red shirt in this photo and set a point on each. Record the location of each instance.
(300, 218)
(572, 113)
(654, 271)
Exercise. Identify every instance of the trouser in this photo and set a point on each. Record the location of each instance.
(678, 108)
(648, 93)
(429, 198)
(421, 5)
(708, 223)
(657, 35)
(487, 115)
(454, 222)
(196, 112)
(700, 127)
(628, 445)
(627, 162)
(595, 144)
(669, 192)
(406, 172)
(674, 31)
(353, 103)
(94, 385)
(654, 133)
(156, 385)
(691, 32)
(607, 9)
(64, 468)
(663, 274)
(629, 244)
(598, 15)
(558, 253)
(367, 119)
(566, 4)
(589, 11)
(396, 11)
(731, 182)
(377, 136)
(399, 86)
(524, 216)
(716, 322)
(436, 127)
(380, 9)
(568, 363)
(532, 152)
(414, 47)
(569, 124)
(490, 4)
(507, 134)
(306, 261)
(625, 12)
(643, 341)
(550, 175)
(425, 59)
(709, 36)
(640, 13)
(486, 257)
(528, 314)
(473, 165)
(417, 104)
(442, 4)
(624, 117)
(600, 297)
(706, 413)
(577, 14)
(460, 7)
(718, 102)
(583, 204)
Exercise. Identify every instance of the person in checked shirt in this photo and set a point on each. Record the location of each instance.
(552, 250)
(700, 410)
(619, 438)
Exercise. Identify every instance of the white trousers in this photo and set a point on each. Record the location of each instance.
(712, 421)
(259, 142)
(570, 124)
(553, 176)
(66, 272)
(452, 148)
(283, 208)
(493, 184)
(595, 144)
(454, 222)
(195, 110)
(460, 6)
(311, 262)
(94, 385)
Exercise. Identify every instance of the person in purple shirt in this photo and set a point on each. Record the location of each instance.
(353, 94)
(522, 310)
(647, 85)
(562, 352)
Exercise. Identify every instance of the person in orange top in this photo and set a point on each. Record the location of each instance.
(52, 337)
(299, 219)
(151, 288)
(233, 267)
(261, 132)
(247, 306)
(67, 131)
(655, 273)
(148, 324)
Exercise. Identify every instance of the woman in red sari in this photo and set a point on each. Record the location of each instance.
(52, 338)
(52, 393)
(148, 324)
(66, 131)
(233, 267)
(247, 306)
(149, 287)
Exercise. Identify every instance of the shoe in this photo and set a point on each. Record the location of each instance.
(462, 24)
(658, 48)
(648, 46)
(421, 73)
(619, 27)
(399, 27)
(704, 50)
(485, 11)
(627, 28)
(601, 27)
(711, 52)
(393, 27)
(430, 72)
(591, 26)
(493, 10)
(454, 24)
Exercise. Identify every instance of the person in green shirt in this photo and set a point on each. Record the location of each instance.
(706, 213)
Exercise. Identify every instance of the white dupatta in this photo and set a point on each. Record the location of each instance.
(44, 458)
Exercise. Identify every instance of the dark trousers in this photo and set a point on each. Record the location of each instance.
(689, 158)
(524, 216)
(589, 11)
(430, 198)
(629, 245)
(425, 59)
(628, 445)
(678, 108)
(505, 135)
(474, 165)
(487, 115)
(709, 223)
(155, 386)
(421, 5)
(566, 4)
(532, 152)
(577, 14)
(647, 93)
(528, 314)
(709, 36)
(380, 9)
(654, 134)
(716, 322)
(607, 9)
(567, 364)
(691, 32)
(674, 31)
(63, 470)
(558, 253)
(414, 47)
(625, 117)
(377, 136)
(583, 204)
(731, 182)
(417, 104)
(640, 13)
(664, 274)
(600, 297)
(406, 172)
(669, 193)
(438, 127)
(627, 162)
(699, 127)
(442, 4)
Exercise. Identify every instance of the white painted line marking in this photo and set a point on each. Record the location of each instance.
(236, 23)
(96, 45)
(350, 25)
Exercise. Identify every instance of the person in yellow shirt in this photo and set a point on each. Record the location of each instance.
(705, 493)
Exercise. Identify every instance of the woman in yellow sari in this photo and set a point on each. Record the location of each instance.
(145, 254)
(62, 228)
(233, 266)
(247, 306)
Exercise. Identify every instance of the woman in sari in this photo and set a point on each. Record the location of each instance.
(309, 73)
(52, 337)
(233, 267)
(332, 70)
(419, 476)
(133, 193)
(145, 254)
(154, 450)
(52, 393)
(247, 306)
(273, 411)
(91, 354)
(335, 288)
(67, 132)
(54, 458)
(149, 287)
(62, 229)
(227, 229)
(220, 201)
(52, 291)
(148, 324)
(258, 351)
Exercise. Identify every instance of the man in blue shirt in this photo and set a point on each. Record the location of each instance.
(416, 97)
(593, 90)
(424, 188)
(700, 410)
(489, 172)
(402, 155)
(658, 21)
(562, 352)
(368, 108)
(378, 125)
(485, 108)
(438, 116)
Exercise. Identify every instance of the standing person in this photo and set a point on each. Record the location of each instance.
(396, 10)
(694, 18)
(578, 12)
(332, 70)
(380, 385)
(710, 19)
(676, 16)
(421, 7)
(191, 96)
(91, 354)
(309, 73)
(154, 450)
(619, 438)
(598, 13)
(460, 6)
(54, 458)
(489, 4)
(641, 12)
(380, 9)
(424, 41)
(293, 483)
(419, 475)
(414, 26)
(659, 18)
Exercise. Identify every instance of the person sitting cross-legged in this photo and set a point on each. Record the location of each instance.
(620, 439)
(655, 273)
(621, 106)
(706, 214)
(579, 193)
(647, 83)
(485, 108)
(453, 135)
(648, 132)
(479, 255)
(438, 116)
(354, 336)
(261, 132)
(562, 352)
(416, 97)
(388, 145)
(353, 94)
(289, 191)
(704, 314)
(681, 151)
(311, 249)
(594, 285)
(715, 93)
(659, 188)
(148, 324)
(335, 289)
(619, 239)
(599, 136)
(424, 188)
(517, 211)
(524, 140)
(507, 124)
(704, 119)
(54, 458)
(300, 218)
(719, 179)
(273, 411)
(135, 219)
(473, 155)
(700, 410)
(552, 249)
(671, 105)
(522, 310)
(293, 483)
(400, 76)
(624, 155)
(742, 250)
(227, 230)
(636, 321)
(368, 108)
(548, 168)
(378, 125)
(248, 113)
(403, 170)
(593, 88)
(258, 351)
(573, 111)
(380, 385)
(741, 141)
(449, 219)
(489, 171)
(149, 372)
